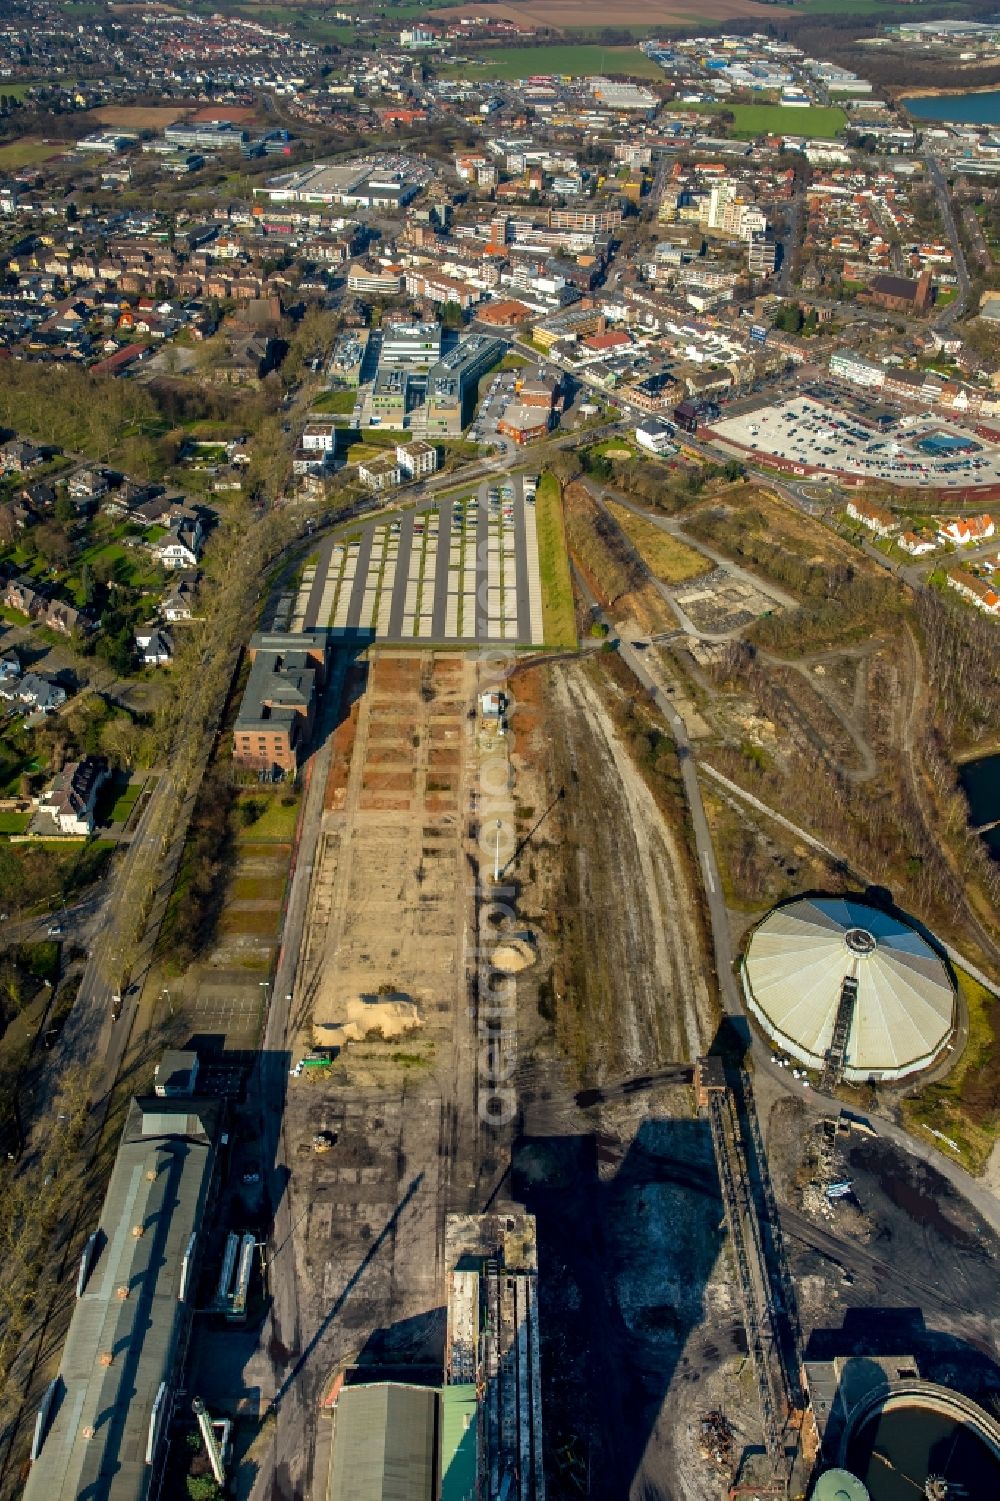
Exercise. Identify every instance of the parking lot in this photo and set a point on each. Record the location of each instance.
(464, 569)
(496, 398)
(922, 450)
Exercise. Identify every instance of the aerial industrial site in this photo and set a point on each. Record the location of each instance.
(499, 752)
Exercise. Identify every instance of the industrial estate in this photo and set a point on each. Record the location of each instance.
(500, 752)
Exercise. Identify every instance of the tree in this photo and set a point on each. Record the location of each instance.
(121, 740)
(202, 1488)
(53, 544)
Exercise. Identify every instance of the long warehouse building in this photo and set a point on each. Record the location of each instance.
(100, 1423)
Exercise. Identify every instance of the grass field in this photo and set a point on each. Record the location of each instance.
(669, 559)
(126, 802)
(337, 402)
(14, 823)
(18, 90)
(580, 60)
(966, 1132)
(30, 151)
(553, 562)
(276, 823)
(749, 120)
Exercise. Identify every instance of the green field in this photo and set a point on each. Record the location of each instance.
(276, 822)
(553, 566)
(337, 402)
(578, 60)
(18, 90)
(816, 122)
(30, 151)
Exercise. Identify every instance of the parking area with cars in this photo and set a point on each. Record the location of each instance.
(459, 569)
(496, 398)
(812, 436)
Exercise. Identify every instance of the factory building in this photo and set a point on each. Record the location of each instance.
(279, 702)
(479, 1433)
(100, 1426)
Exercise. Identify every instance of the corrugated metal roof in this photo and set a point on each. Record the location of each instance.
(124, 1333)
(384, 1443)
(796, 965)
(459, 1443)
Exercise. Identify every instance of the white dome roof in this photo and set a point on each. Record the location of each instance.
(795, 967)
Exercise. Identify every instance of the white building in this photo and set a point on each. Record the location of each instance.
(417, 459)
(655, 435)
(383, 473)
(71, 796)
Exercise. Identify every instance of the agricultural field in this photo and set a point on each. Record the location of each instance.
(140, 116)
(579, 60)
(816, 122)
(641, 16)
(29, 151)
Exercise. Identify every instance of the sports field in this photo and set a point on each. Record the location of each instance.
(581, 60)
(816, 122)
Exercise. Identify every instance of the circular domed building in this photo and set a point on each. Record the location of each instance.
(830, 978)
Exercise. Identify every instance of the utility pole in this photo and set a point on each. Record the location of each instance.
(496, 863)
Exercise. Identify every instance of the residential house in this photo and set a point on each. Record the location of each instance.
(87, 485)
(154, 647)
(976, 590)
(655, 435)
(916, 546)
(873, 517)
(180, 547)
(17, 456)
(179, 603)
(41, 695)
(965, 531)
(71, 797)
(65, 618)
(23, 597)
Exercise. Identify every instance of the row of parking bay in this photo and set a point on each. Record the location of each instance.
(464, 570)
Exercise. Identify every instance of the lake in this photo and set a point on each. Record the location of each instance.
(958, 109)
(981, 784)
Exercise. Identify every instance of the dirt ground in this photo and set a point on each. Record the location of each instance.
(632, 1281)
(391, 905)
(603, 873)
(384, 915)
